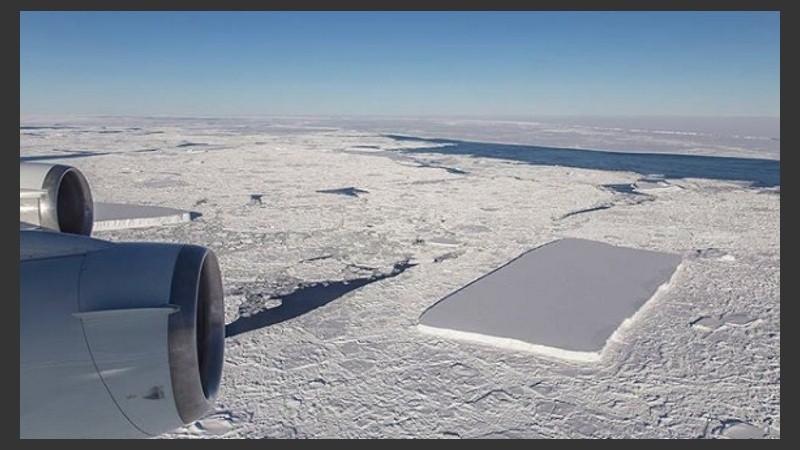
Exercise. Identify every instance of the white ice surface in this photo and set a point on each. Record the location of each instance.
(512, 344)
(358, 367)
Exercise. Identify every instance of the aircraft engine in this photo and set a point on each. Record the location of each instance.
(116, 339)
(56, 197)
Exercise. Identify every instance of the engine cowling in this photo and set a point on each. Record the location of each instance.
(56, 197)
(116, 339)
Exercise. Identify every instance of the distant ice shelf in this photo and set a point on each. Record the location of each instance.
(118, 216)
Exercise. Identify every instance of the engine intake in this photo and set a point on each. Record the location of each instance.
(56, 197)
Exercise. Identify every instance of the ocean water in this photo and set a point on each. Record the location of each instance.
(756, 172)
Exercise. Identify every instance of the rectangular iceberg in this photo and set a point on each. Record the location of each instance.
(564, 299)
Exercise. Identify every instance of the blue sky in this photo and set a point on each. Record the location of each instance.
(400, 63)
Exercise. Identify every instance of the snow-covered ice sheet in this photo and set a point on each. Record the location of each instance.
(703, 361)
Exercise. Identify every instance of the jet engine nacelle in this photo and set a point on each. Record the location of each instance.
(116, 339)
(55, 197)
